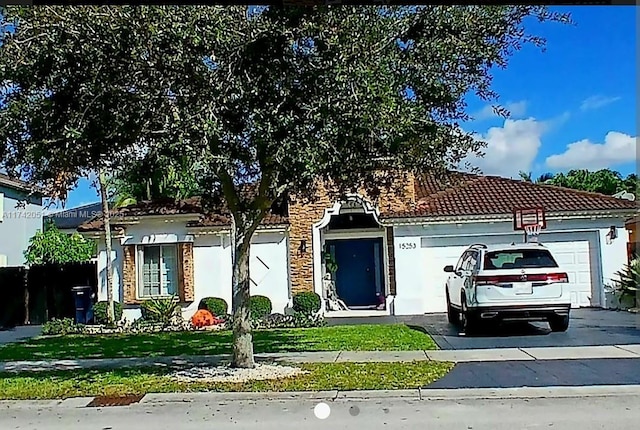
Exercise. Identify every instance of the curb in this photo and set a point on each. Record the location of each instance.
(421, 394)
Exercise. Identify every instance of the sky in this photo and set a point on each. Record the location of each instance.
(573, 105)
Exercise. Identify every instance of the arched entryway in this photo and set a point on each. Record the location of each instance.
(351, 237)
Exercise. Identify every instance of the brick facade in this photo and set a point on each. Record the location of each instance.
(186, 288)
(392, 261)
(302, 217)
(129, 274)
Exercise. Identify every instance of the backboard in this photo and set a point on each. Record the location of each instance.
(523, 217)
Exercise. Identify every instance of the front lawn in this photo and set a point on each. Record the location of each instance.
(394, 337)
(322, 376)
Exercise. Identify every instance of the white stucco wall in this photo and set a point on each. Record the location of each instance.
(212, 264)
(420, 286)
(212, 269)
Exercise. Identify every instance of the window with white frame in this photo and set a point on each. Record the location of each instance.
(157, 270)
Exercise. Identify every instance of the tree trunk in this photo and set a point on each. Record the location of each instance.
(25, 279)
(241, 233)
(107, 234)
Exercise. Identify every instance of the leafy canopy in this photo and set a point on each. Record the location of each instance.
(605, 181)
(153, 177)
(52, 246)
(280, 97)
(68, 98)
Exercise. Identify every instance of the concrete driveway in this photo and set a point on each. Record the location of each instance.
(588, 327)
(19, 333)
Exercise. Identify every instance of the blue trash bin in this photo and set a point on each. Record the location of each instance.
(83, 303)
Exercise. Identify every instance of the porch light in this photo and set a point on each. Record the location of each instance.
(303, 246)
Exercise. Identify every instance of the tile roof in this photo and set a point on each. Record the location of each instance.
(462, 194)
(218, 216)
(453, 195)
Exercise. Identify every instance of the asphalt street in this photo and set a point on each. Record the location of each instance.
(585, 413)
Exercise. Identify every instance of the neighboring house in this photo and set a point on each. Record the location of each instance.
(20, 219)
(390, 256)
(68, 220)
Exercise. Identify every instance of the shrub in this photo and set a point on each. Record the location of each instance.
(162, 311)
(627, 286)
(100, 312)
(307, 303)
(297, 320)
(215, 305)
(259, 306)
(63, 326)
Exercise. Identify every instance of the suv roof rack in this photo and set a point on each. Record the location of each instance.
(478, 245)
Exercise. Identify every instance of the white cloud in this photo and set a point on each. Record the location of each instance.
(510, 148)
(516, 110)
(618, 148)
(596, 102)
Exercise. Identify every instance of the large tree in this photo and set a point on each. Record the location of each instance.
(69, 106)
(273, 100)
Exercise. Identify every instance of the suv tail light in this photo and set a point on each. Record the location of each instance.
(535, 277)
(558, 277)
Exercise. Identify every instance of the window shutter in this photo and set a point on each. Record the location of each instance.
(185, 272)
(129, 275)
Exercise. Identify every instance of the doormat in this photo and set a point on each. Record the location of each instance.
(104, 401)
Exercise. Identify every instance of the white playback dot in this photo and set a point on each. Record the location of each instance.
(322, 411)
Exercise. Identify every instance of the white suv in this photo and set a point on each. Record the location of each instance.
(518, 282)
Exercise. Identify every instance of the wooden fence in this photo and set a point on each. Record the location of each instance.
(37, 294)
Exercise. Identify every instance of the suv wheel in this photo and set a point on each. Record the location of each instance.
(452, 313)
(559, 323)
(467, 322)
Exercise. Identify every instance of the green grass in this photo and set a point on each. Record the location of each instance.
(394, 337)
(334, 376)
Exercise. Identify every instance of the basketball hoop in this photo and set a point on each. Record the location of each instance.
(530, 220)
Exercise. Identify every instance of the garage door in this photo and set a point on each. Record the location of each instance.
(574, 258)
(442, 251)
(436, 258)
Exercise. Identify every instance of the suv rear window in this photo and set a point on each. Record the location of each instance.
(518, 259)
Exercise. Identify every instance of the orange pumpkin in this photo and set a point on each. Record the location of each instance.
(203, 318)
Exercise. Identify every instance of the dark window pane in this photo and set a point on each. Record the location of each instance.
(518, 259)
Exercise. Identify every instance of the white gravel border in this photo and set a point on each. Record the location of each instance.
(260, 372)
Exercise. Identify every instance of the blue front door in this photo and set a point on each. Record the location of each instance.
(360, 270)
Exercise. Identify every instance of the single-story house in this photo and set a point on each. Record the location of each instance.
(390, 254)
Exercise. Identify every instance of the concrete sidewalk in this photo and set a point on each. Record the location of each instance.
(457, 356)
